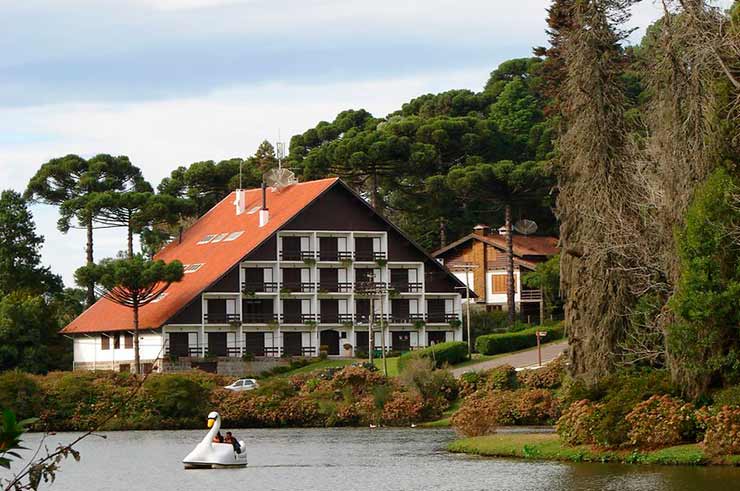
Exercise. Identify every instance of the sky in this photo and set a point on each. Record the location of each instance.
(170, 82)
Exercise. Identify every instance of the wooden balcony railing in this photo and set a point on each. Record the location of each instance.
(295, 318)
(367, 256)
(259, 287)
(335, 255)
(297, 255)
(335, 287)
(406, 287)
(258, 317)
(531, 296)
(442, 318)
(221, 318)
(296, 287)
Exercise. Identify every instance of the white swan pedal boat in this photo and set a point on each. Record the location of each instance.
(211, 455)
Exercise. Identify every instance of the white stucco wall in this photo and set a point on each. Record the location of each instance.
(88, 349)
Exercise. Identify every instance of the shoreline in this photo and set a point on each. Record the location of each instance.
(546, 446)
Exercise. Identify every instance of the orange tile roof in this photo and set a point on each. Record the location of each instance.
(216, 258)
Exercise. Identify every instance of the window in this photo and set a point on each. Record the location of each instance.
(192, 268)
(254, 210)
(499, 283)
(116, 341)
(128, 341)
(104, 342)
(207, 239)
(233, 236)
(219, 237)
(161, 296)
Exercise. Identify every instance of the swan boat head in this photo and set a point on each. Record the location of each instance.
(211, 454)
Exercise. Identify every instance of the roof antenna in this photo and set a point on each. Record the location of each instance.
(279, 179)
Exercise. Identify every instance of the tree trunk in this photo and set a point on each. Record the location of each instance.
(137, 359)
(130, 242)
(511, 305)
(442, 232)
(89, 252)
(374, 195)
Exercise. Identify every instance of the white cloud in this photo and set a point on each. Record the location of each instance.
(160, 135)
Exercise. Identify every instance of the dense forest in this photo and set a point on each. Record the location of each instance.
(628, 152)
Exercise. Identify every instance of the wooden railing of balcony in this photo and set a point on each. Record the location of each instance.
(259, 286)
(297, 255)
(220, 318)
(258, 317)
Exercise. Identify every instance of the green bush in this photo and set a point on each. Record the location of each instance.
(20, 393)
(492, 344)
(451, 352)
(501, 378)
(177, 396)
(729, 396)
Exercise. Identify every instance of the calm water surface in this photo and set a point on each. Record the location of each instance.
(350, 459)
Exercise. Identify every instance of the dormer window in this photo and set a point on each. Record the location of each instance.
(192, 268)
(208, 238)
(219, 237)
(233, 236)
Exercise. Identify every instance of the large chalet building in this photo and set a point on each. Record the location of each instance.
(271, 273)
(481, 256)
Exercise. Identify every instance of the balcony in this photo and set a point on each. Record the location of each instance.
(370, 287)
(259, 287)
(221, 318)
(258, 317)
(442, 318)
(330, 318)
(406, 318)
(289, 255)
(531, 296)
(406, 287)
(335, 287)
(297, 318)
(335, 256)
(299, 287)
(369, 256)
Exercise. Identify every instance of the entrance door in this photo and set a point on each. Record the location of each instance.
(217, 344)
(292, 343)
(435, 337)
(330, 339)
(361, 341)
(179, 344)
(254, 343)
(400, 341)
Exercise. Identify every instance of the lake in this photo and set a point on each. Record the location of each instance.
(349, 459)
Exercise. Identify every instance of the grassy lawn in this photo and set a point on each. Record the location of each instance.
(392, 365)
(320, 365)
(547, 446)
(444, 421)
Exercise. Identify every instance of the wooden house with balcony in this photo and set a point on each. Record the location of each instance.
(481, 256)
(283, 273)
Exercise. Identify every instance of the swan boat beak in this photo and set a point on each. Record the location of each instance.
(210, 422)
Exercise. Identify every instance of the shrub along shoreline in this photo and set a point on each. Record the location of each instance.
(348, 396)
(548, 446)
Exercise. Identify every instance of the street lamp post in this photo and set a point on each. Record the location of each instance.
(468, 267)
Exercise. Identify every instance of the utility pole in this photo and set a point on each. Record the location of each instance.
(382, 330)
(468, 269)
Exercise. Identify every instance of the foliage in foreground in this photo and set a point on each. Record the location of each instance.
(441, 354)
(353, 395)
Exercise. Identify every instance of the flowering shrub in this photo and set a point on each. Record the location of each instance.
(501, 378)
(478, 415)
(548, 377)
(402, 409)
(659, 422)
(576, 425)
(469, 382)
(482, 412)
(722, 435)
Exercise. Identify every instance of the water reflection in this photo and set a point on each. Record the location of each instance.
(352, 459)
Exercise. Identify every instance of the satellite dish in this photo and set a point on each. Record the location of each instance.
(279, 178)
(525, 227)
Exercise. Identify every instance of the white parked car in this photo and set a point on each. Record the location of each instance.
(243, 384)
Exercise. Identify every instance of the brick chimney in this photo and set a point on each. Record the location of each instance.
(264, 211)
(482, 229)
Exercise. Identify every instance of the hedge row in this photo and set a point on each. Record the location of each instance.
(451, 352)
(492, 344)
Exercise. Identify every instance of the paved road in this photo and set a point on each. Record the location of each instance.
(521, 359)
